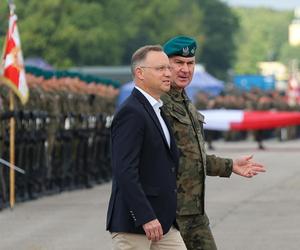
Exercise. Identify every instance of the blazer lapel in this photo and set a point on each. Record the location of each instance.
(151, 112)
(173, 147)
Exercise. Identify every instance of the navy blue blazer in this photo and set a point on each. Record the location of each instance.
(144, 169)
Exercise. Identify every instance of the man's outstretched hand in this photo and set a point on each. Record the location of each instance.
(246, 167)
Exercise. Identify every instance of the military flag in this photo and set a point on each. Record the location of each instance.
(13, 63)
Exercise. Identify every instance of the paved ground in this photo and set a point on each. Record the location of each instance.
(256, 214)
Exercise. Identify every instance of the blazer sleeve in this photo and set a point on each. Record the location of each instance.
(127, 139)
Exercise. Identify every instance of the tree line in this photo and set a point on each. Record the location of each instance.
(263, 36)
(70, 33)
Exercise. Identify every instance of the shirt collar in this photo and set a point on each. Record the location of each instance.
(154, 103)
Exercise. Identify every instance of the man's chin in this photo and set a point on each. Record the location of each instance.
(167, 88)
(181, 84)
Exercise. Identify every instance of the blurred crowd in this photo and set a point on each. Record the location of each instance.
(255, 99)
(61, 135)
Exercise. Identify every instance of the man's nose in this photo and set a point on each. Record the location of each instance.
(185, 67)
(167, 72)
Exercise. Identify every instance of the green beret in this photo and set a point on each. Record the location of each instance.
(180, 46)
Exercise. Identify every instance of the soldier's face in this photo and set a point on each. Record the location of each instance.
(182, 69)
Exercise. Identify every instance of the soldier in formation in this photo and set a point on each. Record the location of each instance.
(61, 137)
(253, 100)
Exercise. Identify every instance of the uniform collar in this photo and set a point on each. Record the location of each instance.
(177, 95)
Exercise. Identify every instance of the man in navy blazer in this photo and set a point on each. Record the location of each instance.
(142, 206)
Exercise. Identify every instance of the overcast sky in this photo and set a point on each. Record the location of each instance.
(275, 4)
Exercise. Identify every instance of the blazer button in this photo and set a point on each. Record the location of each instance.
(173, 170)
(175, 190)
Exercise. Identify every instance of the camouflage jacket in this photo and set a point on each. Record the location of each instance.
(194, 163)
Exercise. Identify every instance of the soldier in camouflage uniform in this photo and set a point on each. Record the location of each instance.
(194, 163)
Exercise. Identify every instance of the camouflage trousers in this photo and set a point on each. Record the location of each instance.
(196, 232)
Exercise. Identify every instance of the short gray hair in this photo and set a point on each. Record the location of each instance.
(140, 55)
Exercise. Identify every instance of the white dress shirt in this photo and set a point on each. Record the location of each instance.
(156, 106)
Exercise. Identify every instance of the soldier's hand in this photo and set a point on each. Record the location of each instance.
(153, 230)
(246, 167)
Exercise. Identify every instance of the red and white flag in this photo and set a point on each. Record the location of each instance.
(224, 119)
(13, 63)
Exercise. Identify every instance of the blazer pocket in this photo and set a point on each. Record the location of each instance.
(151, 191)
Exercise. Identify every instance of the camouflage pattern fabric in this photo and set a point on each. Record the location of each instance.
(194, 163)
(196, 232)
